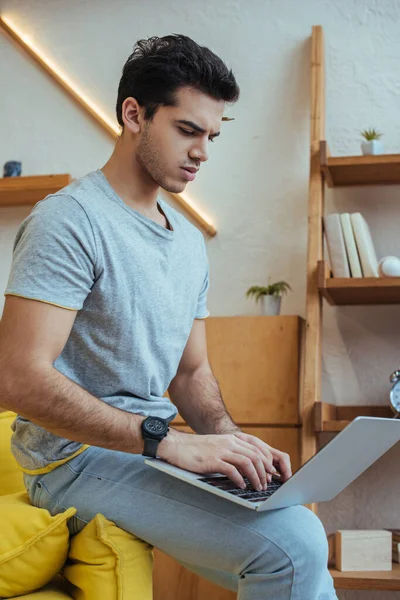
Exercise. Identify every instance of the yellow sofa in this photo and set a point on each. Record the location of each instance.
(102, 561)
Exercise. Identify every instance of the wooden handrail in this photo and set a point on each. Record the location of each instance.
(94, 111)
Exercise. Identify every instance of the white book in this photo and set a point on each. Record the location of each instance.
(336, 246)
(350, 243)
(365, 245)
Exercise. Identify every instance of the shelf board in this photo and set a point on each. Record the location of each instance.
(20, 191)
(368, 580)
(382, 169)
(332, 418)
(356, 291)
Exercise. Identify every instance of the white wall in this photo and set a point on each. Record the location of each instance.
(255, 184)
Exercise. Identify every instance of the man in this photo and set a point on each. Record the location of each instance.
(104, 312)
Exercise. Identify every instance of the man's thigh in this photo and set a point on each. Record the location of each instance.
(185, 522)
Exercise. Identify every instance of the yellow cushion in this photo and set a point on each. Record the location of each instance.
(33, 544)
(55, 590)
(105, 561)
(10, 474)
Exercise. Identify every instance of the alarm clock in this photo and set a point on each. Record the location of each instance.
(395, 393)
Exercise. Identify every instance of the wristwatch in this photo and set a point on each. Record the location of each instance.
(154, 429)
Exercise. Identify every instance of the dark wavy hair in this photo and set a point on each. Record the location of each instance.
(159, 66)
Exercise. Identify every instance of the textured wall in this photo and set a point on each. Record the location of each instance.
(255, 185)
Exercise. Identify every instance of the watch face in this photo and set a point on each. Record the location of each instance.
(156, 426)
(395, 397)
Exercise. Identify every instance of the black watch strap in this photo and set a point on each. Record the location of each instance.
(150, 447)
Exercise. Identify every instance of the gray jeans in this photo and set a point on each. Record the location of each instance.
(280, 554)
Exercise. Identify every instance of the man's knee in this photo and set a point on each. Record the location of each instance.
(300, 535)
(304, 539)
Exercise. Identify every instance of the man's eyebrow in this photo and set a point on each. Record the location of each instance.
(196, 127)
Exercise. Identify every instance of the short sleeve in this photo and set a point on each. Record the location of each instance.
(54, 254)
(202, 311)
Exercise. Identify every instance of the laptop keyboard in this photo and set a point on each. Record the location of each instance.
(227, 485)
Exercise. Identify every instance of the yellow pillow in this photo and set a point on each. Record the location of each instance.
(105, 561)
(33, 544)
(55, 590)
(10, 474)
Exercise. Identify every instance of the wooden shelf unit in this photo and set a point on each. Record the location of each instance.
(339, 171)
(333, 418)
(20, 191)
(357, 291)
(318, 416)
(368, 580)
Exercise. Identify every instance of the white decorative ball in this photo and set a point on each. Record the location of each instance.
(389, 266)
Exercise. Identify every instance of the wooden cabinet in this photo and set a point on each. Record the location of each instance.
(256, 363)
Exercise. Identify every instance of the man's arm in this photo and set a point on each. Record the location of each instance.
(32, 335)
(195, 391)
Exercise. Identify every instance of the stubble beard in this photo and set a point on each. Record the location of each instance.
(151, 162)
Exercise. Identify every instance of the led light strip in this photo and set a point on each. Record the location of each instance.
(110, 126)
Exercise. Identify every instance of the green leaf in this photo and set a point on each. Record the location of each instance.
(371, 134)
(278, 288)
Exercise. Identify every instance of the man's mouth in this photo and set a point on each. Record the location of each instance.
(189, 173)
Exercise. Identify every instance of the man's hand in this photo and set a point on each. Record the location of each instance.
(232, 454)
(280, 460)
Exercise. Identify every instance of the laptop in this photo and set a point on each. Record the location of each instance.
(320, 479)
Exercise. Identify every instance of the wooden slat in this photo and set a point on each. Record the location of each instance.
(368, 580)
(324, 412)
(18, 191)
(382, 169)
(331, 418)
(351, 412)
(357, 291)
(111, 129)
(311, 377)
(323, 157)
(322, 278)
(255, 360)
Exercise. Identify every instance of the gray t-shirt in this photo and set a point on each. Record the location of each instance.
(137, 287)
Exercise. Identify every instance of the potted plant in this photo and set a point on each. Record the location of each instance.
(372, 144)
(270, 296)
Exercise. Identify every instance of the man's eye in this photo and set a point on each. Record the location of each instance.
(192, 133)
(186, 132)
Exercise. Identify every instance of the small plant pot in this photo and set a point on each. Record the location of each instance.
(372, 147)
(270, 305)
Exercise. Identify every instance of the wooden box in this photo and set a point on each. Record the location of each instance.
(363, 550)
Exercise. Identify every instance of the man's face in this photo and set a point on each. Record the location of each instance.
(178, 138)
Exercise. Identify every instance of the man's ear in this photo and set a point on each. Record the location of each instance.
(132, 115)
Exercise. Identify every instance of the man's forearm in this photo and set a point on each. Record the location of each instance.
(199, 401)
(54, 402)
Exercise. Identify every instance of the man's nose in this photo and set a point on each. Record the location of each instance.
(199, 152)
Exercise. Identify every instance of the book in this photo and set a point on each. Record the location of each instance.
(351, 247)
(365, 245)
(336, 246)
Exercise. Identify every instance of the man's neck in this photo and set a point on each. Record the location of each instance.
(127, 179)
